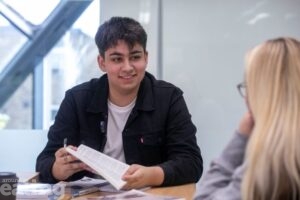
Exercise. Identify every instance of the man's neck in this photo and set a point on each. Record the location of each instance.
(120, 99)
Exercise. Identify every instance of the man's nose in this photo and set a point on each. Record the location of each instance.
(127, 65)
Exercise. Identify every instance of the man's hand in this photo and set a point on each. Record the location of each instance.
(65, 164)
(138, 176)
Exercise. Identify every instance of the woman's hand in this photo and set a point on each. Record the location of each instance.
(246, 124)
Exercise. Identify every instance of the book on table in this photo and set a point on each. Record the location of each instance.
(83, 186)
(109, 168)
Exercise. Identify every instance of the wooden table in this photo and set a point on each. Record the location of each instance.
(184, 191)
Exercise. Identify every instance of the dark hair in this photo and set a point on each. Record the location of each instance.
(120, 28)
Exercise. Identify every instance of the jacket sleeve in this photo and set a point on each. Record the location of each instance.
(223, 178)
(184, 161)
(65, 126)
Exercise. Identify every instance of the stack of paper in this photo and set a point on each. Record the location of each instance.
(34, 191)
(84, 186)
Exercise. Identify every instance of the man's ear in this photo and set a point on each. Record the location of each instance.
(101, 63)
(146, 56)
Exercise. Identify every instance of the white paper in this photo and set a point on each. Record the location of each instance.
(109, 168)
(34, 191)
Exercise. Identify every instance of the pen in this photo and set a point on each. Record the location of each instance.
(65, 142)
(66, 155)
(86, 191)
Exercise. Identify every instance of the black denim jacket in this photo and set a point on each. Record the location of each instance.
(159, 130)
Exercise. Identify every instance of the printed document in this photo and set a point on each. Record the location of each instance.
(107, 167)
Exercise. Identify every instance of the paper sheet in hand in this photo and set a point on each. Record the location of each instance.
(109, 168)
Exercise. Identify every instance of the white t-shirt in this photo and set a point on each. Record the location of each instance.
(117, 118)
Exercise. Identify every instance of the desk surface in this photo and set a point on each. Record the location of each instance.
(185, 191)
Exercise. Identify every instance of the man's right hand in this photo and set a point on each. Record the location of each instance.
(66, 165)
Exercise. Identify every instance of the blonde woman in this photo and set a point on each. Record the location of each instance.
(271, 167)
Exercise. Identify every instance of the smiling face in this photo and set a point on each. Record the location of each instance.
(125, 67)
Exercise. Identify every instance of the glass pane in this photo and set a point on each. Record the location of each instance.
(10, 43)
(72, 61)
(34, 11)
(17, 111)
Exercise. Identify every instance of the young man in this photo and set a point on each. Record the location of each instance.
(128, 115)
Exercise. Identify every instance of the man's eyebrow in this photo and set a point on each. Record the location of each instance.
(115, 54)
(120, 54)
(136, 52)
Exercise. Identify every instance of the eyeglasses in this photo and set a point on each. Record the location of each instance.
(242, 89)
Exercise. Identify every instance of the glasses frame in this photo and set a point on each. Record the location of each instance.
(242, 89)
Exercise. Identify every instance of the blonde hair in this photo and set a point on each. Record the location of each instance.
(273, 92)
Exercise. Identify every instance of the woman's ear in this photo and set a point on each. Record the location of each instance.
(101, 63)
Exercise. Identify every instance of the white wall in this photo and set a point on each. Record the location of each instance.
(204, 47)
(20, 148)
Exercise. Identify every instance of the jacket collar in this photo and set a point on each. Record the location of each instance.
(145, 98)
(98, 102)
